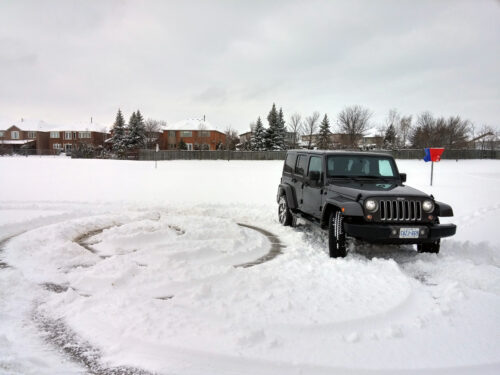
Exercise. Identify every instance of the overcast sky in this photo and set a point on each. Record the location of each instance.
(64, 61)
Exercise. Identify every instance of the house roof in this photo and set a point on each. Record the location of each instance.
(16, 141)
(191, 124)
(40, 125)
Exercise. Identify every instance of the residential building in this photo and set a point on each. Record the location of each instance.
(41, 138)
(195, 133)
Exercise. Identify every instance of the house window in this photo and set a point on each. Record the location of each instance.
(56, 146)
(1, 134)
(67, 146)
(171, 133)
(55, 135)
(189, 146)
(14, 134)
(31, 134)
(204, 133)
(186, 133)
(84, 134)
(67, 135)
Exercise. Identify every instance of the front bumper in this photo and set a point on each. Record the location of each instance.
(391, 233)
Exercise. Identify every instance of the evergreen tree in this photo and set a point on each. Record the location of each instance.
(258, 136)
(136, 136)
(390, 136)
(271, 132)
(280, 132)
(118, 140)
(182, 145)
(324, 142)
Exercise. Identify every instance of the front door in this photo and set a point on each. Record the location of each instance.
(312, 191)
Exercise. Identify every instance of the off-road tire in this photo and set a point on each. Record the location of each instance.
(284, 215)
(432, 247)
(336, 235)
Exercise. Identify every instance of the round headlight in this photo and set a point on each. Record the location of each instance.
(371, 205)
(428, 206)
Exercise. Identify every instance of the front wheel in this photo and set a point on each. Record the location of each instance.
(284, 215)
(432, 247)
(336, 235)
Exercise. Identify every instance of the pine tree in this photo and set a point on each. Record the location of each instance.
(136, 136)
(271, 132)
(258, 137)
(390, 136)
(324, 142)
(118, 140)
(280, 133)
(182, 145)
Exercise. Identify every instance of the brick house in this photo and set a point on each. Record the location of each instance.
(196, 134)
(43, 138)
(16, 138)
(65, 139)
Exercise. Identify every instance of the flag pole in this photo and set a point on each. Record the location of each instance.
(432, 171)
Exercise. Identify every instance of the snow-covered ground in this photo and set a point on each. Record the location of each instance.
(140, 262)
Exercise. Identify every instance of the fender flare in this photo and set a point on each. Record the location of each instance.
(351, 208)
(443, 209)
(288, 192)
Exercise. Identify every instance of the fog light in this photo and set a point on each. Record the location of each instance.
(369, 217)
(394, 231)
(422, 231)
(431, 217)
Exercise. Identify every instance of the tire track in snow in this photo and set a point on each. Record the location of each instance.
(275, 250)
(79, 350)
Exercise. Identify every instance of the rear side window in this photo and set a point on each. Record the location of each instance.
(289, 163)
(301, 165)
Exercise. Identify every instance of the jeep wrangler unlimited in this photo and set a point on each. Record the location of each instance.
(362, 195)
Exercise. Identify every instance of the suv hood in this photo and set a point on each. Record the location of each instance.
(366, 189)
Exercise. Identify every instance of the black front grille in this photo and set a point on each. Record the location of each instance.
(400, 210)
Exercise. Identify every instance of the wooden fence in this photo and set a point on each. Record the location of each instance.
(280, 155)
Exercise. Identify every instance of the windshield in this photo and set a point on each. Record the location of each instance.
(361, 166)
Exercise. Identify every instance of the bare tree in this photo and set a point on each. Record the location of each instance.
(232, 138)
(354, 122)
(296, 127)
(153, 130)
(311, 126)
(403, 130)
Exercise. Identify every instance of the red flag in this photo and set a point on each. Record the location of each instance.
(436, 153)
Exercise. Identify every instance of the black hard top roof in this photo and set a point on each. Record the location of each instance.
(339, 152)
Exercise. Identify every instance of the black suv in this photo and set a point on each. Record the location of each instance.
(359, 194)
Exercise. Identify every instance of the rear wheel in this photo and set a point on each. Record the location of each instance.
(284, 215)
(336, 235)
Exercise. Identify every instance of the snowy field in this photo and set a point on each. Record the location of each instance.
(136, 266)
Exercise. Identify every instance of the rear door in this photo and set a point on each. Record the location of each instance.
(299, 177)
(312, 192)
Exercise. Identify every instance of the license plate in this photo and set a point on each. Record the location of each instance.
(409, 232)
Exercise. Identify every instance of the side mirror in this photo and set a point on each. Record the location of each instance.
(402, 176)
(314, 176)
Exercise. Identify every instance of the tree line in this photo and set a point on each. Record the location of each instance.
(352, 124)
(138, 133)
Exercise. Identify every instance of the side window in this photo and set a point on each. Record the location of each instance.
(289, 163)
(315, 164)
(300, 165)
